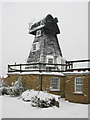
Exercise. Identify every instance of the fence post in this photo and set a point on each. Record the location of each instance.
(66, 66)
(40, 67)
(41, 82)
(20, 67)
(8, 68)
(71, 65)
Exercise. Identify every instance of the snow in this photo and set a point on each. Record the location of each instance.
(15, 107)
(38, 27)
(0, 107)
(76, 72)
(29, 94)
(39, 73)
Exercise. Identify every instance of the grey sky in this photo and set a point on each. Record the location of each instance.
(73, 24)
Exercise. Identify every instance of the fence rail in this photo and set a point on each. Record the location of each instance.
(46, 67)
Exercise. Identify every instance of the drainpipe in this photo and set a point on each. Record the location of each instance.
(41, 82)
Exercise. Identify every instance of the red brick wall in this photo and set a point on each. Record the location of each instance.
(70, 92)
(66, 85)
(89, 88)
(46, 85)
(34, 82)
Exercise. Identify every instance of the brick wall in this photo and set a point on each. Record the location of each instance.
(46, 80)
(89, 88)
(34, 82)
(67, 85)
(70, 89)
(28, 81)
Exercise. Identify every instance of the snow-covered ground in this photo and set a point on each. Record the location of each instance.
(13, 107)
(0, 107)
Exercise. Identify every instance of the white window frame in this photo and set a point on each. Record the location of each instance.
(78, 85)
(58, 87)
(51, 59)
(33, 47)
(38, 33)
(37, 46)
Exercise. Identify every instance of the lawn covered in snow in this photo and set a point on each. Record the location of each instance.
(15, 107)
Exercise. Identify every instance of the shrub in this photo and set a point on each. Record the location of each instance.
(40, 99)
(4, 90)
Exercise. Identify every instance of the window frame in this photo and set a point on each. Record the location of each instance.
(38, 33)
(51, 59)
(33, 47)
(78, 85)
(37, 46)
(51, 87)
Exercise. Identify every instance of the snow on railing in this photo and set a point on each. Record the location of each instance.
(79, 65)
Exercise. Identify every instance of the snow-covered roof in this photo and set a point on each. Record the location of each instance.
(51, 73)
(48, 22)
(37, 73)
(77, 73)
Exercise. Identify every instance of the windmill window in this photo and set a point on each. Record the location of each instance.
(34, 47)
(78, 85)
(50, 60)
(38, 33)
(55, 84)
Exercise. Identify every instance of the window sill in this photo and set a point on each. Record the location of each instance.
(54, 90)
(80, 93)
(34, 50)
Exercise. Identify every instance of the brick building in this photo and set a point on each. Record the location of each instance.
(47, 70)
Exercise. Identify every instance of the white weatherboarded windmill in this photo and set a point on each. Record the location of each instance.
(45, 47)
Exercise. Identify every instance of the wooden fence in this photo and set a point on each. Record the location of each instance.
(46, 67)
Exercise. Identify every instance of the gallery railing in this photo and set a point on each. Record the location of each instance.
(78, 65)
(46, 67)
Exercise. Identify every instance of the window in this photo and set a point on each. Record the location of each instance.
(78, 84)
(50, 60)
(38, 33)
(55, 84)
(34, 47)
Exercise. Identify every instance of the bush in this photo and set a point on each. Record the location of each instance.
(4, 90)
(40, 99)
(36, 102)
(17, 89)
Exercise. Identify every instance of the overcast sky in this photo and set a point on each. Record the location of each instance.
(73, 24)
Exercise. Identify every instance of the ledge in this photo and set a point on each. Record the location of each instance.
(78, 93)
(77, 73)
(54, 90)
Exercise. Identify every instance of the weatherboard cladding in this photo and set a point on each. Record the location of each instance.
(48, 42)
(48, 46)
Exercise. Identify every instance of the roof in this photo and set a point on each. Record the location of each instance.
(48, 22)
(38, 73)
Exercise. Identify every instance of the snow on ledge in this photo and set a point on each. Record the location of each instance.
(37, 73)
(77, 73)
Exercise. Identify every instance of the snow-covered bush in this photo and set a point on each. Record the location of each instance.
(4, 90)
(17, 88)
(36, 102)
(40, 99)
